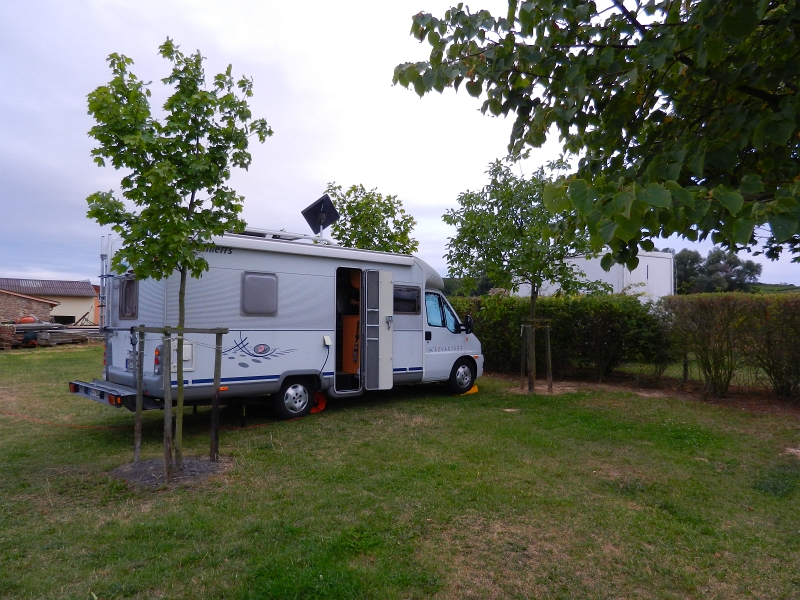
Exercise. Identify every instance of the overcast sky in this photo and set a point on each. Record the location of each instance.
(323, 80)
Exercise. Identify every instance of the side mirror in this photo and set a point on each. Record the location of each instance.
(468, 324)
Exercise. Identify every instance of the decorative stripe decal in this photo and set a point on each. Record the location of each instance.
(331, 374)
(403, 370)
(415, 368)
(257, 378)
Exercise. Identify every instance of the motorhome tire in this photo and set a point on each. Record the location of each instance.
(295, 399)
(462, 377)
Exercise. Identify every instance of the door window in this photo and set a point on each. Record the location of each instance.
(450, 319)
(434, 310)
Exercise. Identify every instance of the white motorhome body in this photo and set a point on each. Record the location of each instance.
(314, 316)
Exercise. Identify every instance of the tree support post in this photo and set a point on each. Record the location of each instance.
(685, 368)
(215, 400)
(166, 361)
(549, 361)
(528, 358)
(137, 428)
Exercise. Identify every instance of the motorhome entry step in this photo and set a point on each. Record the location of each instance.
(113, 394)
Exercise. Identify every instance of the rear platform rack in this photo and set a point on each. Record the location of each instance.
(113, 394)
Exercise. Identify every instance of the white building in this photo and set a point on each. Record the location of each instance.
(653, 278)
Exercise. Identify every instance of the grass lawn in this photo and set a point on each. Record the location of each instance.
(407, 494)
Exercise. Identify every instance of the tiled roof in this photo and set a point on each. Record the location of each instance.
(47, 287)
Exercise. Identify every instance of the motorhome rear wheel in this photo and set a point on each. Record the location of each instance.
(295, 399)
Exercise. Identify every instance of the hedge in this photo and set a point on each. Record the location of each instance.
(725, 332)
(589, 333)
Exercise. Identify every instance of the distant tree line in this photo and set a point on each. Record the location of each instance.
(720, 271)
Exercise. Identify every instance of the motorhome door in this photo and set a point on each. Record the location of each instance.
(378, 329)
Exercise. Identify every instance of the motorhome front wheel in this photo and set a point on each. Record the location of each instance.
(294, 400)
(462, 377)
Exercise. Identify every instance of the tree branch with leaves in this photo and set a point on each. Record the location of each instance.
(685, 115)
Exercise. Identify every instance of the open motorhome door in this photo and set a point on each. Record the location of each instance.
(378, 317)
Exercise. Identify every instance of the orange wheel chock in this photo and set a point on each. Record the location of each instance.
(320, 400)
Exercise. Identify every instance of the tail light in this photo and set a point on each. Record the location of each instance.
(114, 400)
(157, 369)
(73, 388)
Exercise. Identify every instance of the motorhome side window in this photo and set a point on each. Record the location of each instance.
(434, 310)
(406, 300)
(259, 294)
(128, 298)
(451, 322)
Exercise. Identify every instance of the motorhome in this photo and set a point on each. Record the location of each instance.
(303, 315)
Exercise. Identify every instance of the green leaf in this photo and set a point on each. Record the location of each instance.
(751, 184)
(680, 194)
(656, 195)
(741, 23)
(580, 197)
(627, 229)
(783, 226)
(622, 203)
(743, 230)
(555, 198)
(606, 229)
(607, 262)
(474, 88)
(731, 200)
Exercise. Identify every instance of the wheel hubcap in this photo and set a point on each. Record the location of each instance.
(463, 376)
(296, 398)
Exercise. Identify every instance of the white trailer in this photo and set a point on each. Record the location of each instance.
(652, 279)
(303, 317)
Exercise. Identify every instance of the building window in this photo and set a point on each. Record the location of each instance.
(128, 298)
(406, 300)
(259, 294)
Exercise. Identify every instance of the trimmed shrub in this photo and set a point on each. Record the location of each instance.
(711, 327)
(772, 340)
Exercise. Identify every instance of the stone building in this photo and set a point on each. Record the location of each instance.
(71, 301)
(13, 305)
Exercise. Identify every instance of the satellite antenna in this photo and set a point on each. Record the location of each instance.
(321, 214)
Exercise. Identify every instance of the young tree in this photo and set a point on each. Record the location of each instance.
(174, 192)
(505, 233)
(684, 113)
(371, 221)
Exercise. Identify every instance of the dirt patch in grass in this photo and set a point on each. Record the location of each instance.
(742, 398)
(150, 473)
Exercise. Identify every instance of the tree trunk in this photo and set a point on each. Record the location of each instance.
(179, 407)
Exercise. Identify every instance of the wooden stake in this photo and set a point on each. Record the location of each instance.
(137, 428)
(215, 401)
(549, 362)
(166, 361)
